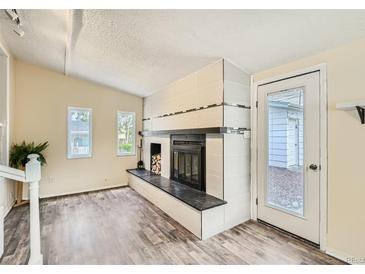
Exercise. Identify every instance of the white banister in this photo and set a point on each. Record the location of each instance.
(32, 176)
(12, 173)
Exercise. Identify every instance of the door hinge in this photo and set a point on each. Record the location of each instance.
(257, 104)
(257, 201)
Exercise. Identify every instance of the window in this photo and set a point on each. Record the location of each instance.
(126, 133)
(79, 132)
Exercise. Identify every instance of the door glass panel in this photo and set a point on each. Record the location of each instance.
(285, 182)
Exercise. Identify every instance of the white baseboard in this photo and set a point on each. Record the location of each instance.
(340, 255)
(8, 208)
(8, 202)
(82, 191)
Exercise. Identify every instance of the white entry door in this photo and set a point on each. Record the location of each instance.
(289, 154)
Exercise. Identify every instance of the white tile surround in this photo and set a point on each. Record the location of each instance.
(184, 214)
(236, 179)
(210, 117)
(202, 224)
(165, 153)
(236, 117)
(227, 155)
(200, 88)
(214, 165)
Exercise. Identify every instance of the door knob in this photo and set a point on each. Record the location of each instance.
(313, 166)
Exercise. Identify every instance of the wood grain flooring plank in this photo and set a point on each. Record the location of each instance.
(119, 226)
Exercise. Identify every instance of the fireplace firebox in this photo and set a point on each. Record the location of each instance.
(188, 160)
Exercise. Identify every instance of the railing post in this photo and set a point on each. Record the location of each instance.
(32, 177)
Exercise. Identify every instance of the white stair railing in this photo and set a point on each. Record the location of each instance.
(32, 176)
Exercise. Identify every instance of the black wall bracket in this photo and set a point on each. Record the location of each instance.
(361, 112)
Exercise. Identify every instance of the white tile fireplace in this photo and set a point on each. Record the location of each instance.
(213, 102)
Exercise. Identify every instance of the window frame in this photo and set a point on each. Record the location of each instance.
(69, 154)
(134, 152)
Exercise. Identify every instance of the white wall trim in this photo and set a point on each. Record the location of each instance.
(8, 209)
(322, 68)
(82, 191)
(4, 208)
(323, 220)
(134, 152)
(253, 149)
(71, 156)
(340, 255)
(5, 53)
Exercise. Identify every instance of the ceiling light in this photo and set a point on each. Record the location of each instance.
(13, 15)
(19, 31)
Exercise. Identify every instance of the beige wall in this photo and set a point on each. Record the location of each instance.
(41, 101)
(346, 177)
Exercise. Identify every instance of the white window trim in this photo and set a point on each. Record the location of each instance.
(89, 155)
(119, 154)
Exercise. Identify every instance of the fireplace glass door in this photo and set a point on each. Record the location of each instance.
(186, 167)
(188, 160)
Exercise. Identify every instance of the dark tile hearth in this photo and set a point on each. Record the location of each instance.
(194, 198)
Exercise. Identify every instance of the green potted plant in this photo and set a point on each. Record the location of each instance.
(18, 159)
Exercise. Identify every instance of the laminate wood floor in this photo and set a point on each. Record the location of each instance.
(119, 226)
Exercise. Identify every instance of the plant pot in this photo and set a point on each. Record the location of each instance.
(19, 192)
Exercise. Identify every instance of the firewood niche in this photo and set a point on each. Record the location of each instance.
(156, 158)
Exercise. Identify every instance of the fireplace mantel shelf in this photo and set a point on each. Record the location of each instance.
(209, 130)
(192, 197)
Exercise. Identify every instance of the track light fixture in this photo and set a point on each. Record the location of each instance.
(13, 15)
(19, 31)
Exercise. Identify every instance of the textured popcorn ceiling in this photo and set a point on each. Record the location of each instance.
(141, 51)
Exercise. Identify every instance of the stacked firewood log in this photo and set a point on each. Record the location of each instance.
(156, 164)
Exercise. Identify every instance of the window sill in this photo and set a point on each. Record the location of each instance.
(126, 155)
(79, 157)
